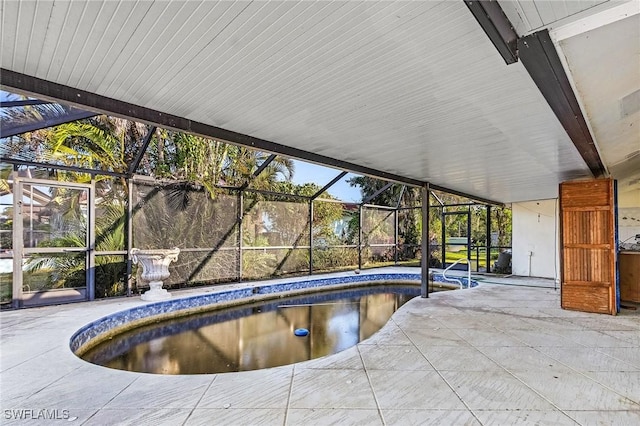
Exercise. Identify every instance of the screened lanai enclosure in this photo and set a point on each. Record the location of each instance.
(78, 191)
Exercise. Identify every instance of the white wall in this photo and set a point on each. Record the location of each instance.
(628, 215)
(536, 227)
(535, 239)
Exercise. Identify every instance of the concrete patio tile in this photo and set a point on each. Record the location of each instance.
(632, 337)
(391, 357)
(570, 391)
(434, 337)
(595, 339)
(604, 323)
(625, 383)
(546, 323)
(606, 418)
(415, 322)
(429, 418)
(458, 358)
(490, 320)
(75, 391)
(162, 391)
(565, 313)
(520, 358)
(469, 321)
(628, 355)
(586, 359)
(41, 372)
(524, 417)
(18, 350)
(389, 333)
(233, 417)
(525, 312)
(137, 417)
(504, 304)
(418, 312)
(331, 389)
(267, 388)
(413, 390)
(488, 337)
(629, 318)
(494, 390)
(9, 323)
(541, 338)
(533, 341)
(465, 305)
(348, 359)
(333, 416)
(31, 415)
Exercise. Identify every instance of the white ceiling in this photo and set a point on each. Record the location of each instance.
(599, 44)
(411, 88)
(611, 94)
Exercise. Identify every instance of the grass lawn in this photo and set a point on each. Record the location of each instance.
(6, 287)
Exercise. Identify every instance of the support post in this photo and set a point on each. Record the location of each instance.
(310, 237)
(90, 260)
(424, 261)
(239, 223)
(443, 245)
(360, 236)
(488, 238)
(18, 240)
(469, 238)
(129, 236)
(395, 236)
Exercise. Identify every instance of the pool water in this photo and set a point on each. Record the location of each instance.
(254, 336)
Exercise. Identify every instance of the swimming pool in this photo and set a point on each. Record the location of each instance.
(108, 328)
(255, 336)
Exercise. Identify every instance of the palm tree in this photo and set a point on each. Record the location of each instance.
(243, 162)
(98, 143)
(194, 163)
(5, 171)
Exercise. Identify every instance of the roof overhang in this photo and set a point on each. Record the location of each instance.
(409, 91)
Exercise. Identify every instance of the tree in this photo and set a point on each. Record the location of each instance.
(502, 224)
(207, 163)
(409, 218)
(324, 214)
(98, 143)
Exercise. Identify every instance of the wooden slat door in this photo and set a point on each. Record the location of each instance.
(587, 235)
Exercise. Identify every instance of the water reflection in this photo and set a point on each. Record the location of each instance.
(254, 337)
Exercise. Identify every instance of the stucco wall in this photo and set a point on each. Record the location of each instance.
(535, 239)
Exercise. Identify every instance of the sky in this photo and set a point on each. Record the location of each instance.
(320, 175)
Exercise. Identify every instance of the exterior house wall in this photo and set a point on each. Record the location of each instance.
(628, 216)
(535, 239)
(536, 230)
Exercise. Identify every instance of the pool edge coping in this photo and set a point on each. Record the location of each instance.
(95, 332)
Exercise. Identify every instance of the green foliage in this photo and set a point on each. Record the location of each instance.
(182, 215)
(335, 258)
(206, 163)
(190, 211)
(101, 143)
(5, 171)
(110, 272)
(325, 214)
(502, 224)
(258, 264)
(410, 221)
(68, 270)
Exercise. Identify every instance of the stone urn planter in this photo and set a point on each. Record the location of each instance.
(155, 269)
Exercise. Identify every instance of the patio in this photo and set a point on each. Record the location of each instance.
(500, 102)
(501, 353)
